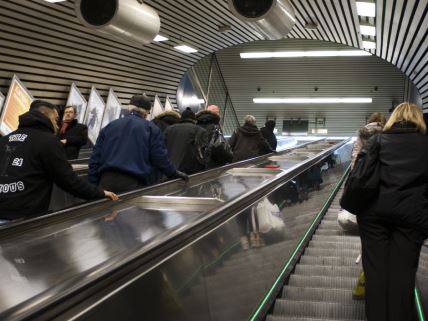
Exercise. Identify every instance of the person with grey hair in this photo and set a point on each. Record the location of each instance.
(71, 134)
(130, 152)
(248, 142)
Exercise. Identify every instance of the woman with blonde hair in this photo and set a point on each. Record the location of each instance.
(395, 224)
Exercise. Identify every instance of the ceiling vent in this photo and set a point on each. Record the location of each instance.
(272, 18)
(125, 19)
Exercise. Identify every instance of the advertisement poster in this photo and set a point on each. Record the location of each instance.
(168, 105)
(18, 102)
(2, 98)
(76, 99)
(157, 108)
(94, 114)
(113, 109)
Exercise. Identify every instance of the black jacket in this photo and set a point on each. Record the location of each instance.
(221, 154)
(269, 136)
(166, 119)
(76, 136)
(248, 142)
(403, 195)
(186, 142)
(31, 160)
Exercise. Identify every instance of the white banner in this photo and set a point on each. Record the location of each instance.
(94, 114)
(168, 105)
(157, 108)
(76, 99)
(18, 102)
(112, 110)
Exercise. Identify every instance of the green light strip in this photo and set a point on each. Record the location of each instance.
(281, 274)
(419, 306)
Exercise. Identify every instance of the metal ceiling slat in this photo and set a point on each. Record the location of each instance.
(315, 8)
(332, 10)
(322, 9)
(350, 26)
(395, 27)
(387, 17)
(319, 34)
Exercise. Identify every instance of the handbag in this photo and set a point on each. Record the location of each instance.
(362, 185)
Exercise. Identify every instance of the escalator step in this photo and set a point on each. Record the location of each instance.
(324, 270)
(329, 282)
(332, 252)
(321, 310)
(291, 318)
(337, 261)
(331, 232)
(335, 238)
(335, 245)
(318, 294)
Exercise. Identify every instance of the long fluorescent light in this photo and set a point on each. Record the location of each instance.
(369, 44)
(312, 100)
(299, 54)
(367, 9)
(368, 30)
(192, 100)
(186, 49)
(160, 38)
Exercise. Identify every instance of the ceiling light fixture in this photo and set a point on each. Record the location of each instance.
(186, 49)
(367, 44)
(367, 30)
(367, 9)
(160, 38)
(300, 54)
(312, 100)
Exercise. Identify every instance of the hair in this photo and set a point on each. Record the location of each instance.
(377, 117)
(407, 112)
(250, 119)
(71, 106)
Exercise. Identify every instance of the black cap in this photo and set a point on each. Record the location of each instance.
(42, 103)
(270, 124)
(141, 101)
(188, 114)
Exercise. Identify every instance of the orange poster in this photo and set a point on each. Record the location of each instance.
(17, 103)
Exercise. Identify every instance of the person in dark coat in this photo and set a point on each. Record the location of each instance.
(268, 133)
(31, 161)
(395, 224)
(130, 152)
(221, 152)
(185, 142)
(248, 142)
(72, 134)
(166, 119)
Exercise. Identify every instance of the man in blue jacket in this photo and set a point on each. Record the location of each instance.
(130, 152)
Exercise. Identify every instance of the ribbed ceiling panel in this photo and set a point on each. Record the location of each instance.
(367, 76)
(48, 48)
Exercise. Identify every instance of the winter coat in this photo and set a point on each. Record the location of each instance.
(77, 136)
(31, 160)
(186, 142)
(166, 119)
(403, 194)
(131, 145)
(248, 142)
(269, 136)
(221, 154)
(363, 135)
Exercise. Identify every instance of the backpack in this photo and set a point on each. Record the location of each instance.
(218, 149)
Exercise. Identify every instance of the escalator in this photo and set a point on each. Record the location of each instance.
(176, 251)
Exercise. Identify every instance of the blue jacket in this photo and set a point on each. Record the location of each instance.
(131, 145)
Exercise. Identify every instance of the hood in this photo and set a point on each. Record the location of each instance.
(207, 117)
(169, 114)
(403, 127)
(369, 130)
(249, 130)
(35, 119)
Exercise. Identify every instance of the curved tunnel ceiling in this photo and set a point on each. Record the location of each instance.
(401, 39)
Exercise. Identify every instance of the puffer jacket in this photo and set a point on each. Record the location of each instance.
(403, 193)
(166, 119)
(364, 135)
(248, 142)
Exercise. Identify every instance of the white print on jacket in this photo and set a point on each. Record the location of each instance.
(12, 187)
(18, 162)
(17, 138)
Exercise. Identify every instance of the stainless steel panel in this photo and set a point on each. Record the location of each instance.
(176, 203)
(252, 171)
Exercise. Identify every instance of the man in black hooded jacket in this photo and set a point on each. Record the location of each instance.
(268, 133)
(31, 160)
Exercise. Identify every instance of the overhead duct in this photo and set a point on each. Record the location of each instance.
(272, 18)
(126, 19)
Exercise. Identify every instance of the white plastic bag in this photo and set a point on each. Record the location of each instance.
(347, 221)
(268, 217)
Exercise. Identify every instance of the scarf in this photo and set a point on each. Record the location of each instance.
(64, 127)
